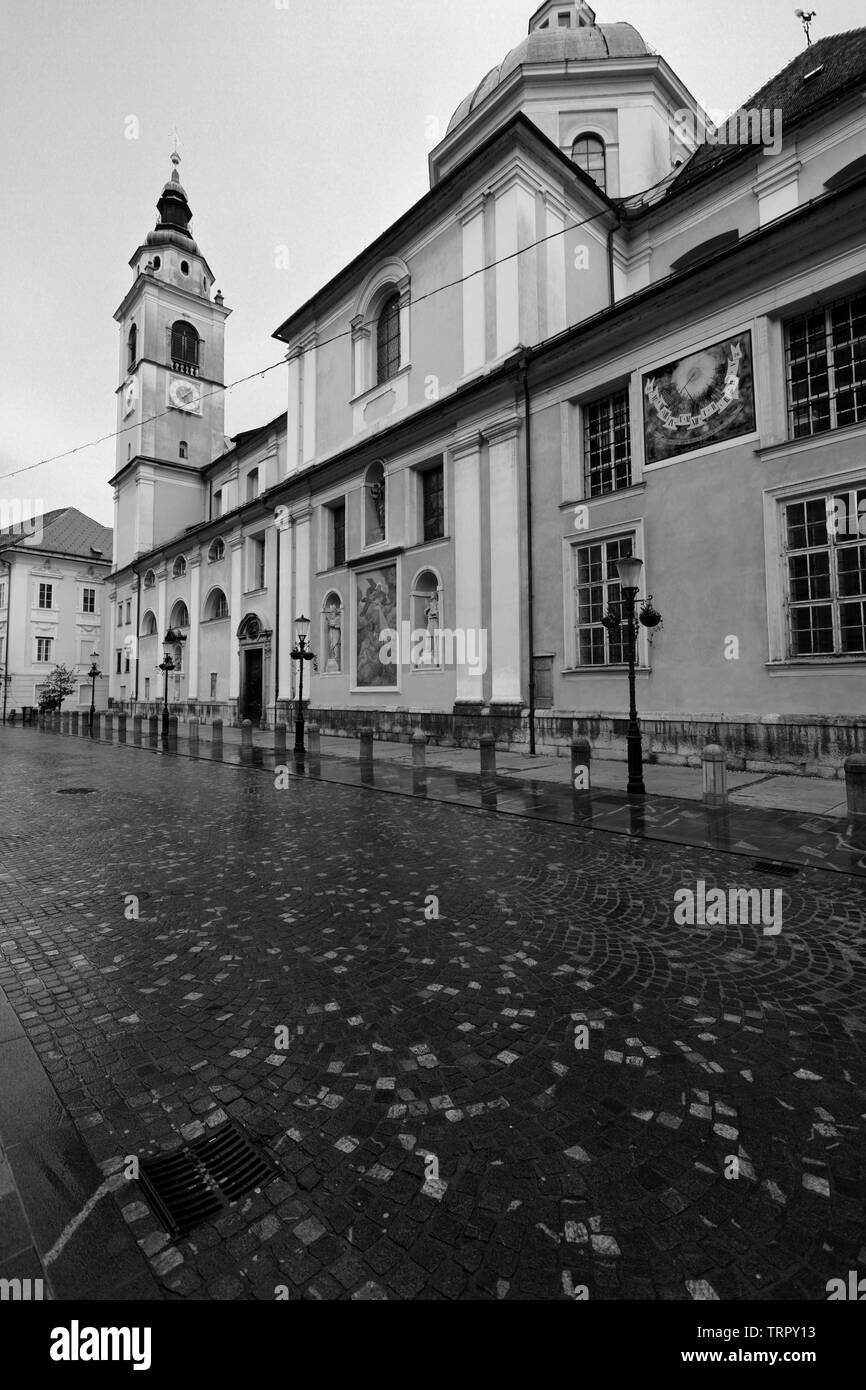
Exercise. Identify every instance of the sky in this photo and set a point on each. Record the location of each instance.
(303, 124)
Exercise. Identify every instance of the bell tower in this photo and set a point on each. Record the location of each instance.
(170, 393)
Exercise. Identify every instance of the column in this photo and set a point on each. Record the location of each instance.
(192, 679)
(507, 273)
(555, 250)
(236, 549)
(405, 290)
(360, 339)
(308, 450)
(161, 605)
(293, 418)
(505, 548)
(285, 542)
(472, 219)
(302, 566)
(466, 455)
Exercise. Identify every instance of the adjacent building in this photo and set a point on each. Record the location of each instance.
(609, 328)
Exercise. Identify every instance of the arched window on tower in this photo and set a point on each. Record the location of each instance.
(132, 348)
(182, 449)
(184, 348)
(388, 340)
(588, 154)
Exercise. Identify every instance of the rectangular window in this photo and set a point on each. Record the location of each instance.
(119, 667)
(46, 595)
(252, 484)
(433, 502)
(825, 352)
(129, 610)
(218, 503)
(825, 557)
(213, 685)
(44, 648)
(127, 662)
(257, 562)
(606, 445)
(596, 591)
(338, 525)
(83, 695)
(2, 593)
(88, 601)
(120, 615)
(543, 682)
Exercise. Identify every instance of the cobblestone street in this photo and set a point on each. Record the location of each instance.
(441, 1129)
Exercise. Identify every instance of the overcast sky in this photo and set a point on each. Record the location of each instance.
(303, 123)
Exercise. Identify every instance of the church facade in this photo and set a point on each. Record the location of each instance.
(608, 329)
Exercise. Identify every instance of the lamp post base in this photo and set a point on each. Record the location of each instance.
(635, 785)
(299, 738)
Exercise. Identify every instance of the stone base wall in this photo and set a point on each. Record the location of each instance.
(805, 745)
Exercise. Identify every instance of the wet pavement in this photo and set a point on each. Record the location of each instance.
(488, 1061)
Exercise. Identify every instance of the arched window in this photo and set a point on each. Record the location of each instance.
(179, 567)
(216, 606)
(182, 449)
(132, 348)
(217, 550)
(332, 634)
(179, 615)
(149, 579)
(375, 504)
(587, 153)
(184, 346)
(426, 599)
(148, 625)
(388, 339)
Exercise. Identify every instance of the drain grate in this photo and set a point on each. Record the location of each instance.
(76, 791)
(768, 866)
(189, 1186)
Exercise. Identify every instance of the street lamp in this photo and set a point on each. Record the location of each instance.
(166, 665)
(629, 573)
(300, 654)
(94, 674)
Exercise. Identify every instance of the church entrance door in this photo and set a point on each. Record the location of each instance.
(252, 702)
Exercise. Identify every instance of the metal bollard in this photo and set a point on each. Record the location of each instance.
(193, 736)
(216, 738)
(715, 775)
(109, 727)
(121, 728)
(153, 729)
(419, 751)
(366, 750)
(314, 742)
(136, 730)
(581, 762)
(247, 736)
(487, 747)
(855, 785)
(172, 732)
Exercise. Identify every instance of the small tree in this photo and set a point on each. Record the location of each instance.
(60, 683)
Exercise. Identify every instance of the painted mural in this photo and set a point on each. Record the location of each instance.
(376, 593)
(699, 400)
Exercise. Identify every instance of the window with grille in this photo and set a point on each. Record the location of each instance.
(597, 589)
(338, 523)
(46, 595)
(184, 347)
(543, 670)
(825, 354)
(388, 340)
(588, 154)
(825, 556)
(88, 601)
(433, 502)
(132, 348)
(44, 646)
(606, 445)
(119, 663)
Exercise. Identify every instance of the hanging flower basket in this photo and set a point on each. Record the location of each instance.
(649, 617)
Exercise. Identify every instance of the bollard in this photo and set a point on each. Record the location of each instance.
(73, 724)
(581, 760)
(366, 753)
(855, 785)
(64, 723)
(280, 732)
(121, 728)
(487, 746)
(109, 727)
(419, 751)
(715, 775)
(247, 736)
(136, 730)
(172, 731)
(193, 736)
(314, 743)
(152, 729)
(216, 738)
(85, 723)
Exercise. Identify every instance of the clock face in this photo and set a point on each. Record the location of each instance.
(183, 394)
(129, 398)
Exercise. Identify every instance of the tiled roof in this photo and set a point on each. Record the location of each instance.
(68, 532)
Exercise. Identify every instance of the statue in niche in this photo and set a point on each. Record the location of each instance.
(334, 624)
(431, 613)
(377, 494)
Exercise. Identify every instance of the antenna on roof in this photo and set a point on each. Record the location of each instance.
(806, 16)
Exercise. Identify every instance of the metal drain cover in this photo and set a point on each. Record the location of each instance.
(187, 1187)
(767, 866)
(76, 791)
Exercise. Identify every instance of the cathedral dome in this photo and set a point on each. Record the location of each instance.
(584, 42)
(175, 215)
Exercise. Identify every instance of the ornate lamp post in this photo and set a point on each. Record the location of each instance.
(93, 674)
(166, 665)
(300, 654)
(629, 572)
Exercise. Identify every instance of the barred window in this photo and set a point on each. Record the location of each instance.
(338, 521)
(388, 340)
(597, 589)
(184, 347)
(826, 367)
(606, 445)
(825, 545)
(433, 494)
